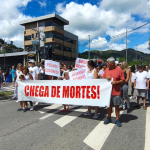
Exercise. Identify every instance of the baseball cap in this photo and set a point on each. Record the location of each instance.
(32, 61)
(140, 66)
(117, 62)
(104, 64)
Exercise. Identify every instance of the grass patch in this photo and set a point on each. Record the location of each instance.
(5, 93)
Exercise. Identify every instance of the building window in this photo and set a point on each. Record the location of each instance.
(27, 38)
(67, 49)
(58, 36)
(58, 25)
(59, 47)
(36, 35)
(32, 35)
(73, 50)
(49, 35)
(48, 24)
(30, 48)
(58, 57)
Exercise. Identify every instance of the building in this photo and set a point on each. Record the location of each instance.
(45, 38)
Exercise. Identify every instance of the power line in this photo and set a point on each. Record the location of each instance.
(118, 35)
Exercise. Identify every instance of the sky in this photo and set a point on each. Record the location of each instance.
(98, 18)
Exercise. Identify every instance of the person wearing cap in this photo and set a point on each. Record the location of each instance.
(141, 84)
(101, 72)
(116, 63)
(34, 71)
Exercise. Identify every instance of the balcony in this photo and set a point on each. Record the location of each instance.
(53, 28)
(27, 43)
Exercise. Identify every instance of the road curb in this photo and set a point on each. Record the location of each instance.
(5, 97)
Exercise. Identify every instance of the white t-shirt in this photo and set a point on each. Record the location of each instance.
(27, 77)
(64, 72)
(90, 75)
(18, 74)
(141, 78)
(35, 71)
(133, 77)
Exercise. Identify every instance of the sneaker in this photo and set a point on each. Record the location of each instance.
(64, 110)
(17, 101)
(95, 116)
(131, 97)
(128, 111)
(87, 113)
(36, 103)
(107, 121)
(121, 108)
(31, 108)
(20, 109)
(68, 109)
(13, 98)
(118, 123)
(24, 110)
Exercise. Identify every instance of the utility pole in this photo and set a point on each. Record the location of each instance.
(136, 52)
(4, 53)
(126, 46)
(89, 47)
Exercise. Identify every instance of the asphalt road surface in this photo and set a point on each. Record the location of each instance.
(46, 128)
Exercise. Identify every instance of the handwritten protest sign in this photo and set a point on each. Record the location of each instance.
(82, 63)
(52, 68)
(77, 75)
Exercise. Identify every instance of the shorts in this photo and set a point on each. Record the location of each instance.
(141, 92)
(13, 79)
(115, 100)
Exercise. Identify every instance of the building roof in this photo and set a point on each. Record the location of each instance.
(23, 22)
(16, 54)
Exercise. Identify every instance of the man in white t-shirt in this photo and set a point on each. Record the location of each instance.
(141, 84)
(34, 70)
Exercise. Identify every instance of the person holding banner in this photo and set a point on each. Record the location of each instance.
(66, 77)
(92, 74)
(18, 73)
(34, 70)
(27, 76)
(115, 73)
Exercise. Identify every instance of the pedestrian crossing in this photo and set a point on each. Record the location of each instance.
(99, 133)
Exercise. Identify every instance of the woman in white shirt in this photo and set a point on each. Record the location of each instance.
(92, 74)
(27, 76)
(132, 78)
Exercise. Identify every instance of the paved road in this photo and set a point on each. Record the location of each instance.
(46, 128)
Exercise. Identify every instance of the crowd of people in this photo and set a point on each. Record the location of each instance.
(120, 72)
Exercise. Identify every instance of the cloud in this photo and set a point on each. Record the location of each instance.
(10, 29)
(42, 4)
(143, 48)
(97, 20)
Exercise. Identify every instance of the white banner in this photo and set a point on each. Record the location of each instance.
(77, 75)
(52, 68)
(91, 92)
(82, 63)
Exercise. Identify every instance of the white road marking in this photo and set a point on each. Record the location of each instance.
(54, 106)
(68, 118)
(48, 115)
(98, 136)
(147, 130)
(41, 112)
